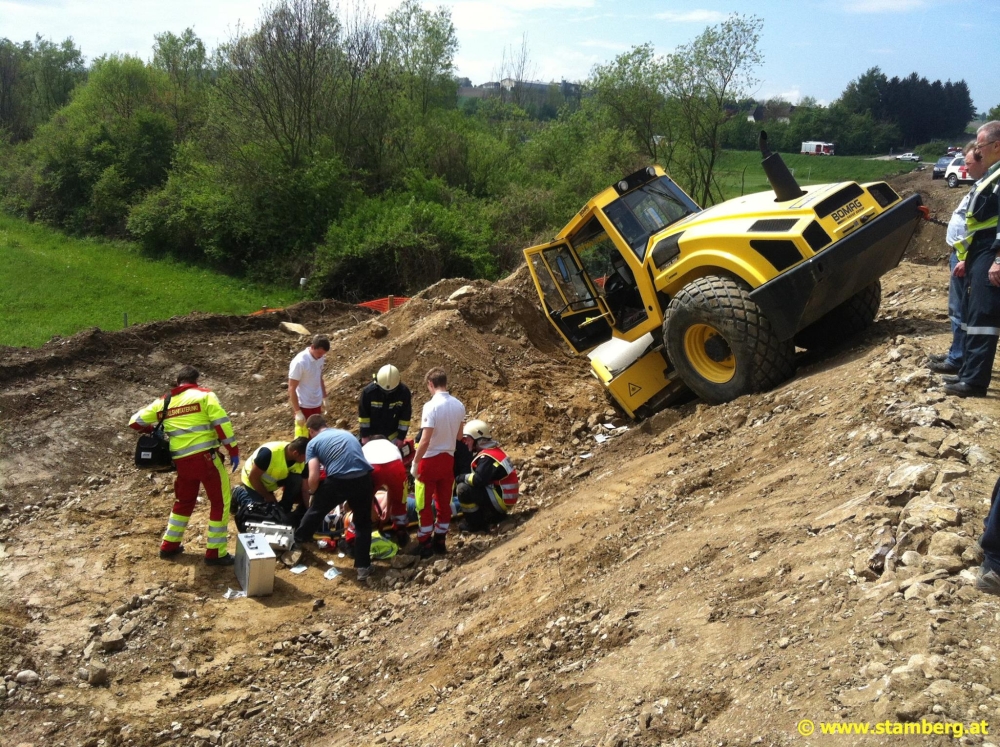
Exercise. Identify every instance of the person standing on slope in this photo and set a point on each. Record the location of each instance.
(434, 463)
(196, 425)
(306, 389)
(385, 407)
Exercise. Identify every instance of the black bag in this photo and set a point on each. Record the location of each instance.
(260, 513)
(152, 450)
(249, 511)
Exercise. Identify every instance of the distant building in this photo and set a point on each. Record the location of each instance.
(531, 87)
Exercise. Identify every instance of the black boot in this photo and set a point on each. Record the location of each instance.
(400, 536)
(439, 544)
(426, 549)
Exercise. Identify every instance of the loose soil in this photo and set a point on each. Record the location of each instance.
(699, 578)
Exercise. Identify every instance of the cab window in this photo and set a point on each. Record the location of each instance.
(648, 209)
(565, 281)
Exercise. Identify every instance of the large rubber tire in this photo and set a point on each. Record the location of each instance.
(952, 181)
(854, 315)
(721, 344)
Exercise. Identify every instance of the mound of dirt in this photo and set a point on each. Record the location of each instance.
(928, 245)
(671, 582)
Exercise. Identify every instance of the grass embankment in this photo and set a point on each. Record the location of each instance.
(57, 285)
(740, 172)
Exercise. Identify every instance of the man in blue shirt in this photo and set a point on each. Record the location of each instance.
(348, 478)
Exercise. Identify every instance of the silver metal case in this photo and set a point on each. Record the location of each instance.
(254, 564)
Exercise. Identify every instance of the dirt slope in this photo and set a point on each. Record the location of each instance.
(700, 579)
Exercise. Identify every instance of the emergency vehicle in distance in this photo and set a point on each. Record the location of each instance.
(816, 148)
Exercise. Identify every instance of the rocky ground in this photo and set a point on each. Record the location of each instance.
(701, 578)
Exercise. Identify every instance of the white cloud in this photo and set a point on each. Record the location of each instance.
(882, 6)
(692, 16)
(104, 26)
(599, 44)
(483, 16)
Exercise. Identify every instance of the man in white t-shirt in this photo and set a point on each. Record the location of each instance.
(306, 390)
(434, 463)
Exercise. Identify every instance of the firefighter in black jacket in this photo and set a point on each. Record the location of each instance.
(487, 493)
(385, 407)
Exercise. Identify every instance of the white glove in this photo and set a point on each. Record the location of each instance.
(299, 417)
(413, 470)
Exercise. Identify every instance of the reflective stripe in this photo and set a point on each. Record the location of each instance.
(991, 331)
(216, 536)
(176, 525)
(365, 421)
(227, 441)
(442, 528)
(495, 499)
(139, 420)
(419, 496)
(192, 429)
(220, 421)
(195, 448)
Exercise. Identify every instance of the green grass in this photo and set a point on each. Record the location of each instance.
(57, 285)
(740, 172)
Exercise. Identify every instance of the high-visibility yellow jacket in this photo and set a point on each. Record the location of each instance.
(981, 214)
(195, 422)
(275, 472)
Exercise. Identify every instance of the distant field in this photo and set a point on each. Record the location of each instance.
(740, 172)
(57, 285)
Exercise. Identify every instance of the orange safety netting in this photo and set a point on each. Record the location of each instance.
(382, 305)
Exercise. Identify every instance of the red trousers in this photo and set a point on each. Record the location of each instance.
(392, 477)
(437, 473)
(204, 468)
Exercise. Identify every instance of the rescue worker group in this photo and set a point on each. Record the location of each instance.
(338, 490)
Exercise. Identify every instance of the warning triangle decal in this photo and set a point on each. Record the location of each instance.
(633, 389)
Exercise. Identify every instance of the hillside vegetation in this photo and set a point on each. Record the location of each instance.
(330, 143)
(58, 285)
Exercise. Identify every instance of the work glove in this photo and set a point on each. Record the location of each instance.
(299, 417)
(413, 470)
(235, 462)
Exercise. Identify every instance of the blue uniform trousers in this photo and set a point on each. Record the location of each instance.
(958, 289)
(981, 317)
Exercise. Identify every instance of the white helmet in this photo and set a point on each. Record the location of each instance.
(477, 429)
(388, 377)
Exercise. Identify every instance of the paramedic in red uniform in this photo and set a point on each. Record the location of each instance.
(388, 473)
(197, 426)
(434, 463)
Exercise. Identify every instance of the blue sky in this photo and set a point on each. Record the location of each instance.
(811, 47)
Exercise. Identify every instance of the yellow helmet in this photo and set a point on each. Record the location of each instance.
(477, 429)
(387, 377)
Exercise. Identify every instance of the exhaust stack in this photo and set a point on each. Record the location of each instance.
(782, 182)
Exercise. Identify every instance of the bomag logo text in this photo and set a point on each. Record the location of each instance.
(848, 210)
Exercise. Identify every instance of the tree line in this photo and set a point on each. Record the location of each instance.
(872, 115)
(331, 145)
